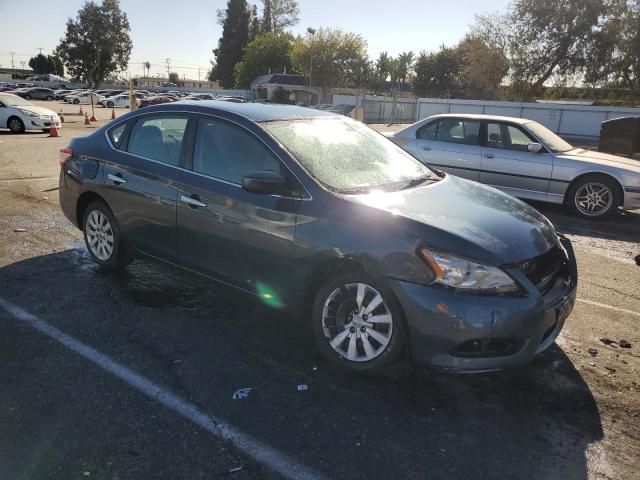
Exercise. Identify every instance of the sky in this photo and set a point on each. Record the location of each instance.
(186, 31)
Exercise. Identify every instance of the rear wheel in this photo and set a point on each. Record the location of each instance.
(110, 104)
(103, 238)
(15, 125)
(49, 98)
(27, 97)
(357, 324)
(594, 196)
(76, 101)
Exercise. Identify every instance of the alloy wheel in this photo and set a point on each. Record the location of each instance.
(593, 199)
(99, 235)
(357, 322)
(16, 125)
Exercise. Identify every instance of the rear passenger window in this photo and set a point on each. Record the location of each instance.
(227, 152)
(115, 134)
(158, 138)
(428, 132)
(453, 130)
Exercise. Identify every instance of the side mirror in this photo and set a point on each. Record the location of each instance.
(266, 182)
(534, 147)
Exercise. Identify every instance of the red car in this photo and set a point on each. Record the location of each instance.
(145, 102)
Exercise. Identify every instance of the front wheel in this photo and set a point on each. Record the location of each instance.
(594, 196)
(76, 101)
(357, 324)
(16, 125)
(110, 104)
(27, 97)
(49, 98)
(103, 238)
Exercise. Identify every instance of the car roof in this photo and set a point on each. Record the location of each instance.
(477, 116)
(258, 112)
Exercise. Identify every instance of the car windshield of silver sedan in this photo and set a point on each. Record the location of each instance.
(349, 157)
(550, 139)
(15, 101)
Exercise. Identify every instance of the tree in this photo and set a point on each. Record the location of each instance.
(267, 52)
(55, 65)
(615, 55)
(147, 67)
(174, 77)
(404, 66)
(235, 22)
(437, 74)
(39, 64)
(255, 25)
(279, 14)
(97, 42)
(337, 58)
(482, 68)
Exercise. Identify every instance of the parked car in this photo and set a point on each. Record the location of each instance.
(525, 159)
(36, 93)
(18, 115)
(122, 100)
(84, 98)
(157, 100)
(377, 253)
(60, 94)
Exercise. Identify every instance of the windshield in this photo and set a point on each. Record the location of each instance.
(550, 139)
(347, 156)
(14, 101)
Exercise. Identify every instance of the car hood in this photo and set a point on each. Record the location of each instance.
(465, 218)
(600, 158)
(38, 110)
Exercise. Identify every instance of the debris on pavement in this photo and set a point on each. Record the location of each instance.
(608, 341)
(302, 387)
(242, 393)
(611, 369)
(593, 352)
(19, 230)
(234, 470)
(624, 344)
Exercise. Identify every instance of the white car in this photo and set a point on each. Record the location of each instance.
(18, 115)
(525, 159)
(83, 98)
(121, 100)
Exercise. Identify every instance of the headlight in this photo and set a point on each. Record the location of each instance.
(465, 275)
(28, 113)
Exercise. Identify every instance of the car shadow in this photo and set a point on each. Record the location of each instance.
(536, 421)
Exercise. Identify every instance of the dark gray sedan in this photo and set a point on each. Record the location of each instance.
(36, 93)
(379, 255)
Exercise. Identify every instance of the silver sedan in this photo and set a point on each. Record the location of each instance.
(526, 160)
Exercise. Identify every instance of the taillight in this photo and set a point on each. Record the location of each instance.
(65, 154)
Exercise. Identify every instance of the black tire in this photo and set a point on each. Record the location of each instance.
(323, 331)
(27, 97)
(121, 254)
(15, 125)
(608, 192)
(76, 101)
(49, 98)
(110, 104)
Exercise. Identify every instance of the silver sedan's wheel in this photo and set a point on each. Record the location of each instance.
(593, 199)
(357, 322)
(16, 125)
(99, 235)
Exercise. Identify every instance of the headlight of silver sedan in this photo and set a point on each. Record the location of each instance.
(467, 276)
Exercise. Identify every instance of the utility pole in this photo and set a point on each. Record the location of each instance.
(168, 62)
(40, 49)
(12, 64)
(198, 74)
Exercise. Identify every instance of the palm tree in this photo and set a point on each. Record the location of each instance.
(147, 65)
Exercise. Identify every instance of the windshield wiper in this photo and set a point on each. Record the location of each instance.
(414, 182)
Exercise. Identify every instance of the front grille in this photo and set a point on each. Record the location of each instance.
(544, 270)
(488, 347)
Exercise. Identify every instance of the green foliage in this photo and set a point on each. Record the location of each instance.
(97, 42)
(174, 77)
(235, 22)
(279, 14)
(331, 58)
(482, 68)
(280, 95)
(267, 52)
(39, 64)
(437, 74)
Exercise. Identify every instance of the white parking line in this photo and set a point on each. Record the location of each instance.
(272, 458)
(610, 307)
(12, 180)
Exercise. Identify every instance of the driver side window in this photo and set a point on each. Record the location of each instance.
(508, 137)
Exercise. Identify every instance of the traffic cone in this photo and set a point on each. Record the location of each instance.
(81, 112)
(93, 118)
(53, 131)
(86, 119)
(113, 114)
(61, 116)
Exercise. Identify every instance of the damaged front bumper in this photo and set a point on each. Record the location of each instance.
(478, 333)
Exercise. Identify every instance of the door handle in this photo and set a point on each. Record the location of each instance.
(426, 148)
(117, 179)
(489, 155)
(192, 202)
